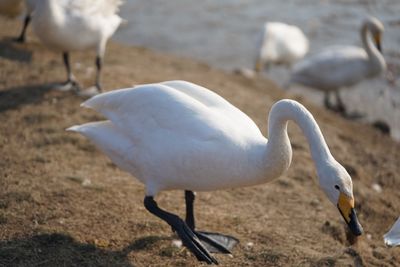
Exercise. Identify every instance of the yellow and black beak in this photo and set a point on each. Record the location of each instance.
(377, 39)
(346, 208)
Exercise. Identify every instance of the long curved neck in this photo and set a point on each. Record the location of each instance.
(286, 110)
(369, 46)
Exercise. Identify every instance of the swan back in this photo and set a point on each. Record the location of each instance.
(281, 43)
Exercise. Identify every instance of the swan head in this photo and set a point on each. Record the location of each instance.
(338, 186)
(376, 29)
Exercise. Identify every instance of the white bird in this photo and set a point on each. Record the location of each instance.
(280, 43)
(392, 238)
(11, 8)
(339, 67)
(177, 135)
(69, 25)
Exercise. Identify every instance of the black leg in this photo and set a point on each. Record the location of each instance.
(327, 103)
(188, 237)
(214, 242)
(189, 199)
(340, 106)
(67, 66)
(99, 63)
(70, 83)
(21, 37)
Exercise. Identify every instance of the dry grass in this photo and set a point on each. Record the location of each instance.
(62, 203)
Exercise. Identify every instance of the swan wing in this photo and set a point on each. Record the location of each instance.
(192, 111)
(392, 238)
(332, 68)
(214, 101)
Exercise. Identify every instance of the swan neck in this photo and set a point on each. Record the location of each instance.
(289, 110)
(369, 46)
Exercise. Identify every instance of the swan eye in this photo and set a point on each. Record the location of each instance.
(337, 187)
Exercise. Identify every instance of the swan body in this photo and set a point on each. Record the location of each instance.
(178, 135)
(59, 23)
(343, 66)
(280, 43)
(392, 238)
(11, 8)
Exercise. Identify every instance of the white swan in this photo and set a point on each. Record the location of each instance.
(11, 8)
(340, 67)
(178, 135)
(392, 238)
(280, 43)
(69, 25)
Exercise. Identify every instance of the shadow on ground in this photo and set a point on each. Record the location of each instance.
(13, 51)
(57, 250)
(14, 97)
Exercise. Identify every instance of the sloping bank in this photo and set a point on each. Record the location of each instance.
(63, 202)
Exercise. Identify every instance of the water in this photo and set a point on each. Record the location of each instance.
(223, 34)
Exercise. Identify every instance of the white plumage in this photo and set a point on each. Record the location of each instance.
(280, 43)
(178, 135)
(343, 66)
(392, 238)
(70, 25)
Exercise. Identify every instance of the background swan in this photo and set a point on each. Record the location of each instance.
(392, 238)
(280, 43)
(69, 25)
(178, 135)
(339, 67)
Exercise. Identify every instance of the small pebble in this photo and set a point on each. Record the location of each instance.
(177, 243)
(369, 236)
(249, 245)
(86, 182)
(377, 188)
(245, 72)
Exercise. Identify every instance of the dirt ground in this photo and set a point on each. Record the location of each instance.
(63, 203)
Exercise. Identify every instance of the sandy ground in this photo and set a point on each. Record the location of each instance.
(63, 203)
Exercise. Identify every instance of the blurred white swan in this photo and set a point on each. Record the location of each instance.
(392, 238)
(178, 135)
(280, 43)
(69, 25)
(340, 67)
